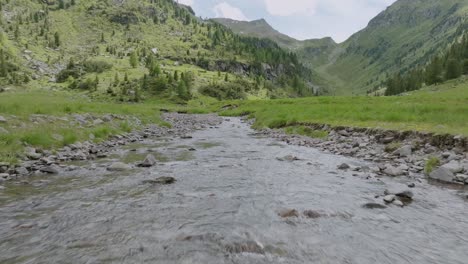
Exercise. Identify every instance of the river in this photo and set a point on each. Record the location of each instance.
(224, 209)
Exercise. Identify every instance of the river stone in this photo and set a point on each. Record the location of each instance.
(442, 174)
(161, 180)
(286, 213)
(453, 166)
(149, 161)
(344, 166)
(389, 198)
(22, 171)
(398, 203)
(118, 166)
(393, 171)
(404, 151)
(2, 119)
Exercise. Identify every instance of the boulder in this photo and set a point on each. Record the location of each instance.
(442, 174)
(454, 166)
(393, 171)
(118, 166)
(404, 151)
(2, 119)
(149, 161)
(49, 169)
(398, 203)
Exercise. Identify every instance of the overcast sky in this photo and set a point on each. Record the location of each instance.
(301, 19)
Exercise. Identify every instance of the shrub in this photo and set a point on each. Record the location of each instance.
(96, 66)
(225, 91)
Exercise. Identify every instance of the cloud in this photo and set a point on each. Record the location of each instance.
(291, 7)
(186, 2)
(226, 10)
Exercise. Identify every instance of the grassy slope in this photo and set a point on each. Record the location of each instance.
(439, 109)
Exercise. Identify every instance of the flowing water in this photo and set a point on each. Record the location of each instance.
(224, 209)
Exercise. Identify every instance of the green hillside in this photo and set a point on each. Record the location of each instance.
(407, 34)
(133, 48)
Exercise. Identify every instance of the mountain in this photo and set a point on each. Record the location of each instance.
(407, 34)
(84, 44)
(260, 29)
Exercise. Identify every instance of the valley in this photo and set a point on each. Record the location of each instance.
(136, 131)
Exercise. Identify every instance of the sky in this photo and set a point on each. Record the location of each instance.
(301, 19)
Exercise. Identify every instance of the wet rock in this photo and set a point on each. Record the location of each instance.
(398, 203)
(287, 213)
(453, 166)
(374, 206)
(411, 185)
(192, 149)
(50, 169)
(404, 151)
(312, 214)
(393, 171)
(186, 137)
(405, 195)
(442, 174)
(2, 119)
(161, 180)
(343, 166)
(118, 166)
(389, 198)
(149, 161)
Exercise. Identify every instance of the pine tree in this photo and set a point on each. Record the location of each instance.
(3, 66)
(454, 69)
(57, 39)
(133, 59)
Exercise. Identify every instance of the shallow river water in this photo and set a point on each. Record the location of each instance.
(224, 209)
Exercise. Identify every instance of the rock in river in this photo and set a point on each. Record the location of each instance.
(286, 213)
(118, 166)
(344, 166)
(389, 198)
(161, 180)
(149, 161)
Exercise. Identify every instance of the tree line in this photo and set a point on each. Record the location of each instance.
(448, 66)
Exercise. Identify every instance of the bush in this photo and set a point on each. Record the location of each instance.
(224, 91)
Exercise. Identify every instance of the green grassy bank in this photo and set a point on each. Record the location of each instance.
(440, 109)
